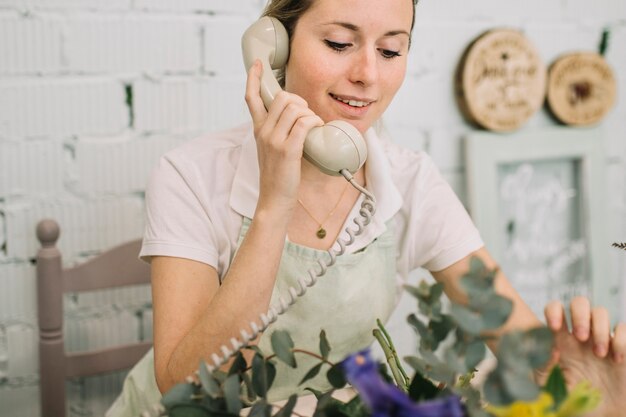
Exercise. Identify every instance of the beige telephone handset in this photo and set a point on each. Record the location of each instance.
(333, 147)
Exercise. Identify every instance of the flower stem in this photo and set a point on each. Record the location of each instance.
(392, 360)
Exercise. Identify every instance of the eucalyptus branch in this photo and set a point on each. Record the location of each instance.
(389, 355)
(306, 352)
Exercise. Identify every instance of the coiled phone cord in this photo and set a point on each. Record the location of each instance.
(367, 210)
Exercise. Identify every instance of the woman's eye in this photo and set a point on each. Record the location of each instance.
(387, 53)
(336, 45)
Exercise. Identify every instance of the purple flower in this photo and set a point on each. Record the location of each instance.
(386, 400)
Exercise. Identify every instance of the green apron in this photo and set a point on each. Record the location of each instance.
(345, 302)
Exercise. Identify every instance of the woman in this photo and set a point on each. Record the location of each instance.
(233, 217)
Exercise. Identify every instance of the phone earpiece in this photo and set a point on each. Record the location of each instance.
(333, 147)
(268, 41)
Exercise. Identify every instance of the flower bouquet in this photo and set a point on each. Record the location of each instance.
(452, 344)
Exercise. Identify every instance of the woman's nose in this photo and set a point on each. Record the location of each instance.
(364, 68)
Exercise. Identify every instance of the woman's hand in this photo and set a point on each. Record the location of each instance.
(280, 132)
(590, 352)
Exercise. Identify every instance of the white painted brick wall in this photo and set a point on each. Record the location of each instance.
(40, 48)
(222, 40)
(207, 6)
(118, 165)
(132, 42)
(67, 5)
(33, 166)
(92, 91)
(86, 225)
(54, 107)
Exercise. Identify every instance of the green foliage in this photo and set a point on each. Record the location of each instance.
(283, 347)
(467, 326)
(324, 345)
(556, 387)
(452, 344)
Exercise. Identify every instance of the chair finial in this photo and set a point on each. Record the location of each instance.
(48, 232)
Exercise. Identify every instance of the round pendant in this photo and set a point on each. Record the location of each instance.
(321, 233)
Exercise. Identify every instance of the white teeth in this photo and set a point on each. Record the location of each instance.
(353, 103)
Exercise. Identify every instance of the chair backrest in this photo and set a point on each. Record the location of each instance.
(116, 267)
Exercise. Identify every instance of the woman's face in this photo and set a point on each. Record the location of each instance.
(348, 57)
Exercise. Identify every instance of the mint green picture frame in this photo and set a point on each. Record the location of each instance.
(487, 154)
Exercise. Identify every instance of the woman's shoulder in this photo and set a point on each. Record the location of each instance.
(406, 162)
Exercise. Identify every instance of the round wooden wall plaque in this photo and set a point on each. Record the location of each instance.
(501, 80)
(581, 88)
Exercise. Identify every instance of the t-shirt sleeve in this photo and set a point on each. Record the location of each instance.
(444, 232)
(177, 224)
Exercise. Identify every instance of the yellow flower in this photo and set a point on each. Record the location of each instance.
(581, 399)
(541, 407)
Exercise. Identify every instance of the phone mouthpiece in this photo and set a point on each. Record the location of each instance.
(334, 147)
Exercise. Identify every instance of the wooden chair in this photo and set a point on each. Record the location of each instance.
(116, 267)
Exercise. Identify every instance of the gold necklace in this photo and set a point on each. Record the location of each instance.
(321, 232)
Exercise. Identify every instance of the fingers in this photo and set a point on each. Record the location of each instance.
(555, 316)
(618, 343)
(580, 310)
(601, 329)
(253, 94)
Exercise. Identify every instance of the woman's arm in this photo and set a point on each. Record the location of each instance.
(589, 352)
(194, 314)
(521, 317)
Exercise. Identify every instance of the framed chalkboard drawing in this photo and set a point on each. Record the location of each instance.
(537, 198)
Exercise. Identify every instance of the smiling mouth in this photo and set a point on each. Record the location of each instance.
(351, 102)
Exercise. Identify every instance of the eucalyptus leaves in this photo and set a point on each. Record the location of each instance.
(452, 344)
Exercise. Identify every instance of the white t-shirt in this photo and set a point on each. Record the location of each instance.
(199, 193)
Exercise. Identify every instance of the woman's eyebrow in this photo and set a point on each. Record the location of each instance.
(355, 28)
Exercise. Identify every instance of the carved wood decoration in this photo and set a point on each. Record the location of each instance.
(500, 80)
(581, 88)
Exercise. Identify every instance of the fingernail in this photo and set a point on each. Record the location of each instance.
(600, 349)
(582, 332)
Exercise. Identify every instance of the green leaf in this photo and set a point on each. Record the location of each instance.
(282, 344)
(210, 385)
(354, 408)
(261, 409)
(189, 410)
(327, 406)
(336, 376)
(519, 385)
(263, 373)
(431, 367)
(474, 354)
(288, 407)
(239, 364)
(324, 345)
(178, 394)
(251, 395)
(441, 328)
(312, 373)
(538, 345)
(468, 320)
(232, 389)
(495, 311)
(318, 394)
(495, 391)
(422, 388)
(556, 387)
